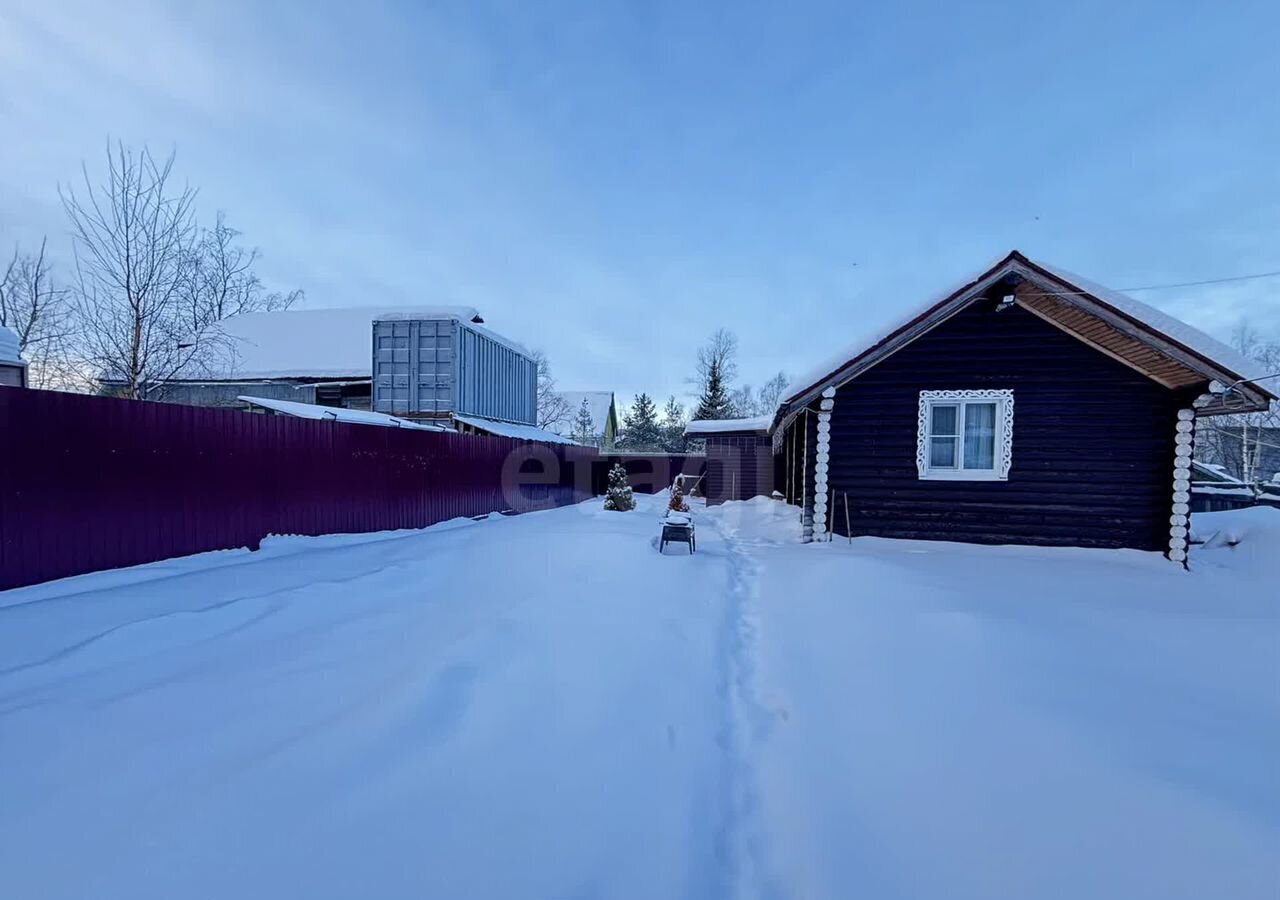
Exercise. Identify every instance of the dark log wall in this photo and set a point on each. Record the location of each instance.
(1093, 441)
(739, 467)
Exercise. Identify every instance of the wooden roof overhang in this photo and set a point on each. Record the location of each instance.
(1077, 312)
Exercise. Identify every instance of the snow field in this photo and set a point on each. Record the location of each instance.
(544, 706)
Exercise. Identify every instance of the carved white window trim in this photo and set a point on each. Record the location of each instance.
(1003, 457)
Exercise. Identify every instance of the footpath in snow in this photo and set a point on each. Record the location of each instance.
(973, 722)
(543, 706)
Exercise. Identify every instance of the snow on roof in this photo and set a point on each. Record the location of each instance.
(1239, 490)
(1171, 327)
(512, 430)
(878, 327)
(598, 402)
(719, 426)
(1213, 472)
(9, 347)
(323, 343)
(337, 414)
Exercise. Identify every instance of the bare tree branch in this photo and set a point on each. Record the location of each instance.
(1239, 443)
(133, 238)
(38, 312)
(150, 285)
(553, 409)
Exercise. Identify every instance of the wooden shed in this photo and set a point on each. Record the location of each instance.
(740, 462)
(1028, 406)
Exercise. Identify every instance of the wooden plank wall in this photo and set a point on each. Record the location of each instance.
(738, 467)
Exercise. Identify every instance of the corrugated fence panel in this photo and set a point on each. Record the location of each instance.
(90, 483)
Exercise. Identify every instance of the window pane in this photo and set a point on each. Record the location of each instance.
(942, 453)
(979, 435)
(944, 420)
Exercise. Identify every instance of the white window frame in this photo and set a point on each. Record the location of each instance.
(1003, 457)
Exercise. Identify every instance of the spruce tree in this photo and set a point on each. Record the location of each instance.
(641, 430)
(584, 427)
(673, 423)
(715, 402)
(618, 497)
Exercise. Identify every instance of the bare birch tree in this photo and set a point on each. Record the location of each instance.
(37, 311)
(224, 281)
(1240, 442)
(719, 355)
(134, 239)
(771, 393)
(553, 409)
(150, 284)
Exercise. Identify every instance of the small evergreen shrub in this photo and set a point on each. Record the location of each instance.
(619, 496)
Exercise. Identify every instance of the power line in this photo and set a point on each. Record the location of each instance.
(1162, 287)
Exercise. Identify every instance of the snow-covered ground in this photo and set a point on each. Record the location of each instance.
(544, 706)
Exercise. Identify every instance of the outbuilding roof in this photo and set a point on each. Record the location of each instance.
(1163, 347)
(313, 343)
(753, 425)
(337, 414)
(1203, 471)
(512, 430)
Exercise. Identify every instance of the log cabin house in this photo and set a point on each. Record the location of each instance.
(1027, 406)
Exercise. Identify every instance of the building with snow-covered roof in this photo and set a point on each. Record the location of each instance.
(602, 409)
(13, 371)
(1025, 406)
(740, 461)
(1250, 454)
(412, 362)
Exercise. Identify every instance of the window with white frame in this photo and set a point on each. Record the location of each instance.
(965, 435)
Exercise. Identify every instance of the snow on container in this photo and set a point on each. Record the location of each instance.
(438, 366)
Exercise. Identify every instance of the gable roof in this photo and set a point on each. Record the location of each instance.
(1205, 471)
(1128, 329)
(313, 343)
(599, 403)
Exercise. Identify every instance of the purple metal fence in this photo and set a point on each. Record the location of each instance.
(90, 483)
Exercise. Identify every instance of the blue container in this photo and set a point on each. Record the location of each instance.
(434, 367)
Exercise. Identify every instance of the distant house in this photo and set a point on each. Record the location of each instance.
(601, 408)
(1214, 488)
(421, 363)
(1027, 406)
(13, 371)
(1225, 446)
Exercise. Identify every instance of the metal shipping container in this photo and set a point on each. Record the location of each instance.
(433, 367)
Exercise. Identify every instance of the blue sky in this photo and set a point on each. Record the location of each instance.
(612, 181)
